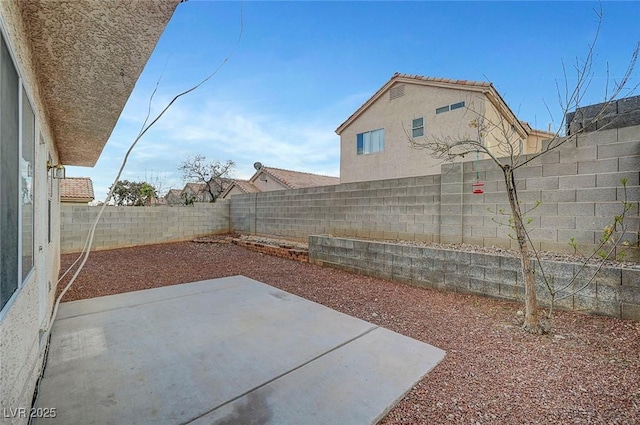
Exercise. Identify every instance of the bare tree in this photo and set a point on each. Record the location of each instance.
(499, 140)
(214, 175)
(158, 180)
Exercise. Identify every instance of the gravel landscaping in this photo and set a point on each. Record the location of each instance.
(586, 371)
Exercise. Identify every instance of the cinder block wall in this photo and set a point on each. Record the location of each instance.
(578, 187)
(614, 291)
(407, 208)
(129, 226)
(621, 113)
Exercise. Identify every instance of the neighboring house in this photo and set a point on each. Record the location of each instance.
(174, 197)
(268, 179)
(66, 71)
(195, 192)
(76, 190)
(199, 192)
(238, 187)
(219, 184)
(374, 140)
(156, 202)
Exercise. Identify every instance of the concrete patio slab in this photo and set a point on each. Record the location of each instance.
(223, 351)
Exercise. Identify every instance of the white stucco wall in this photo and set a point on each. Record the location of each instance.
(29, 310)
(266, 183)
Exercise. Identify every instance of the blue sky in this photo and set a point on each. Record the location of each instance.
(301, 68)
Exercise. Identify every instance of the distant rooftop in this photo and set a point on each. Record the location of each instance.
(246, 187)
(76, 189)
(299, 179)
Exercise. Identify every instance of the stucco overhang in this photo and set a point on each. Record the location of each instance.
(89, 55)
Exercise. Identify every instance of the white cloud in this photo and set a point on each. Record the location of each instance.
(220, 131)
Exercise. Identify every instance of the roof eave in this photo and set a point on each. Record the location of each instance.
(497, 101)
(75, 78)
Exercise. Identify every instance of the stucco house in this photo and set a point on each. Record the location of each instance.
(195, 192)
(199, 192)
(76, 190)
(374, 140)
(267, 179)
(174, 197)
(53, 113)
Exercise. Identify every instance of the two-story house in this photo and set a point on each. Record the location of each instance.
(374, 140)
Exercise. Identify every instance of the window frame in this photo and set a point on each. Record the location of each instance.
(417, 127)
(362, 141)
(451, 107)
(20, 175)
(24, 102)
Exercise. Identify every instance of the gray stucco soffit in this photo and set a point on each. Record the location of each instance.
(89, 55)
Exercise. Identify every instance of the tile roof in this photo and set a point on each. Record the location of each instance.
(245, 186)
(72, 188)
(441, 80)
(298, 179)
(195, 187)
(174, 192)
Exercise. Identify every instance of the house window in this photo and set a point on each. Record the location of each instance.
(9, 176)
(17, 156)
(451, 107)
(27, 158)
(417, 127)
(370, 142)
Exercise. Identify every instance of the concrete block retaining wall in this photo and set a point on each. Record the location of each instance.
(578, 187)
(614, 292)
(130, 226)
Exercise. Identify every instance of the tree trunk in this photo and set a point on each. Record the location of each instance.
(531, 319)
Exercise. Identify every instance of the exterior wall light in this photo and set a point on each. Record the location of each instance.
(58, 172)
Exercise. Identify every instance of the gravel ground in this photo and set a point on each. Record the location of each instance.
(587, 371)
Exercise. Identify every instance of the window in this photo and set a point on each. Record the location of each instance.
(9, 173)
(370, 142)
(417, 127)
(17, 156)
(27, 157)
(451, 107)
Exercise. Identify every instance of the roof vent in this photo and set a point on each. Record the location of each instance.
(396, 91)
